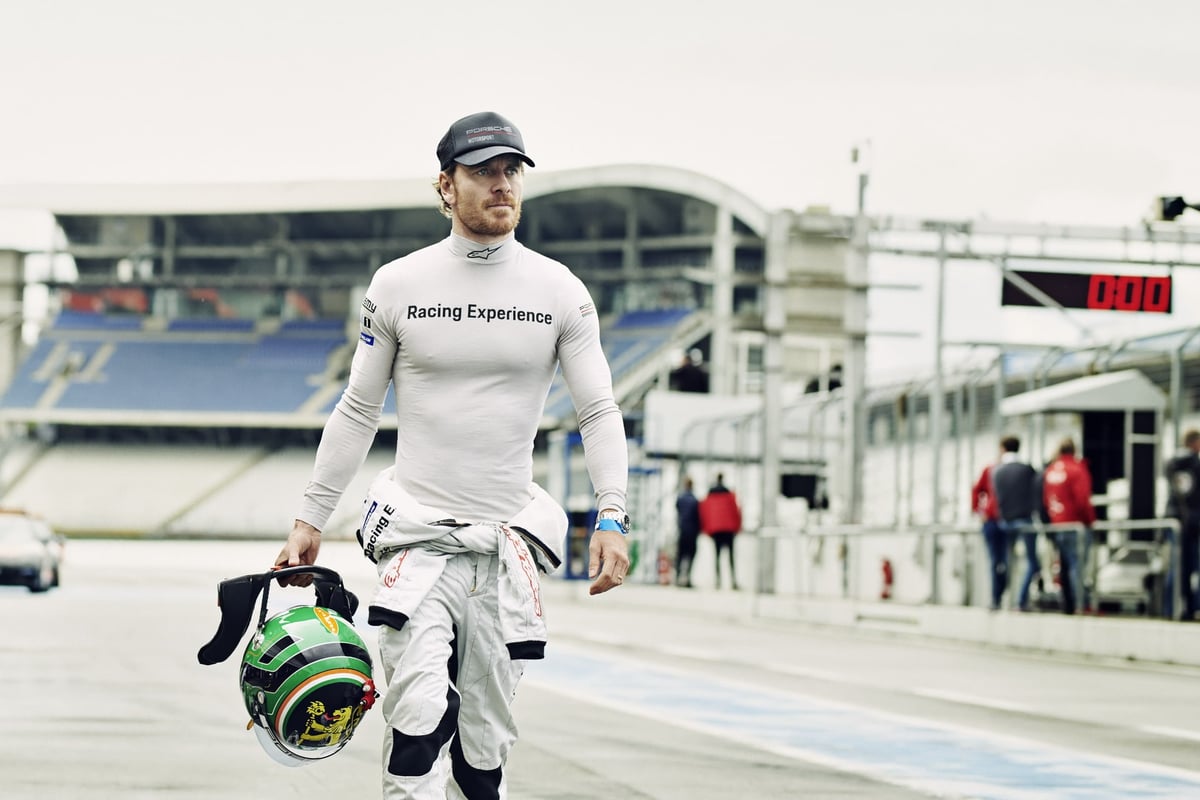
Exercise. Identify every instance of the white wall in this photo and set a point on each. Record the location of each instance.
(263, 500)
(126, 489)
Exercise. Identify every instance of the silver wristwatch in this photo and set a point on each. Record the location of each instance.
(610, 520)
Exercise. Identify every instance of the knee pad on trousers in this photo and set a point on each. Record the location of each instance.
(416, 755)
(477, 784)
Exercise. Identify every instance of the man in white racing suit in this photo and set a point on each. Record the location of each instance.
(469, 333)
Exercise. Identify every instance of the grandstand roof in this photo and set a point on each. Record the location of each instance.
(341, 195)
(216, 198)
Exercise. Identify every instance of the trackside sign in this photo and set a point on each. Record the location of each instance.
(1097, 291)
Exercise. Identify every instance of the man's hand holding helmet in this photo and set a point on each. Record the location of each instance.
(301, 548)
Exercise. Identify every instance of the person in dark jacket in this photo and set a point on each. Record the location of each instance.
(1014, 483)
(687, 513)
(689, 376)
(1183, 504)
(721, 518)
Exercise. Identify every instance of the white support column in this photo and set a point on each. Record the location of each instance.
(557, 465)
(12, 279)
(723, 370)
(631, 254)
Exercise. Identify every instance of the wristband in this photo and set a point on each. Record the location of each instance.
(611, 525)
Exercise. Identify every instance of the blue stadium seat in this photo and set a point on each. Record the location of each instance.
(26, 388)
(233, 370)
(91, 320)
(197, 324)
(657, 318)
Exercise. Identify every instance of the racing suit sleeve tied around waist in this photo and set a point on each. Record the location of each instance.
(412, 543)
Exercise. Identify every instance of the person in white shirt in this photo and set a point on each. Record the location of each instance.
(469, 333)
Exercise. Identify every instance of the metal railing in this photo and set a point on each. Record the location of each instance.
(948, 564)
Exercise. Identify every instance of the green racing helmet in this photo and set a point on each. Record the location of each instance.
(306, 673)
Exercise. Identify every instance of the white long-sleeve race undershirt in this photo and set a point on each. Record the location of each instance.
(470, 336)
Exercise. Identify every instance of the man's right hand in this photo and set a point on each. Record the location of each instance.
(301, 549)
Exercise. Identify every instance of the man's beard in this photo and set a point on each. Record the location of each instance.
(479, 221)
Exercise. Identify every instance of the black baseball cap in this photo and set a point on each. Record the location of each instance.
(478, 137)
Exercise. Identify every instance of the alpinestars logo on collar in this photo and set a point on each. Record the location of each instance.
(485, 253)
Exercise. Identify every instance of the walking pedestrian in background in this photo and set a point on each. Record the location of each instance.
(1067, 495)
(1183, 504)
(983, 503)
(721, 518)
(1014, 484)
(687, 515)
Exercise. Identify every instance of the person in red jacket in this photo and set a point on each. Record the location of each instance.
(983, 503)
(721, 518)
(1067, 496)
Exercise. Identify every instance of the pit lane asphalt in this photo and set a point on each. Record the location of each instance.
(638, 698)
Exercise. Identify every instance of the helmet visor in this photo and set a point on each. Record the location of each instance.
(287, 756)
(317, 718)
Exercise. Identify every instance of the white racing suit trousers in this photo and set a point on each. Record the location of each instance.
(450, 683)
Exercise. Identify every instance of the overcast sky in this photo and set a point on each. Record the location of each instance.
(1077, 111)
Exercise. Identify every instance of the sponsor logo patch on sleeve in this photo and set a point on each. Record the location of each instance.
(587, 308)
(365, 332)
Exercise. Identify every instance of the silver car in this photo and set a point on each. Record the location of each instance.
(1121, 581)
(31, 552)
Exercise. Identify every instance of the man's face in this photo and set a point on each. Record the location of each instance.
(486, 198)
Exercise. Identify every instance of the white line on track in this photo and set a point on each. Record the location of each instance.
(816, 729)
(816, 674)
(1175, 733)
(971, 699)
(696, 653)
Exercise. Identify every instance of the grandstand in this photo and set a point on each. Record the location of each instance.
(96, 368)
(206, 332)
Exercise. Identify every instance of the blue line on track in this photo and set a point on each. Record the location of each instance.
(942, 760)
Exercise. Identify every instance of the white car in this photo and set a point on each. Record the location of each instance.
(30, 552)
(1122, 580)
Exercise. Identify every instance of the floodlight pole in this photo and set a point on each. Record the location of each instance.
(774, 323)
(937, 393)
(855, 357)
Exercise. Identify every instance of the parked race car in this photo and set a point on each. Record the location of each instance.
(31, 552)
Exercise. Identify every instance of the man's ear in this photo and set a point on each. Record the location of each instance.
(446, 186)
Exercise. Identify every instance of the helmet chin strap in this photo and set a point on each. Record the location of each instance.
(236, 598)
